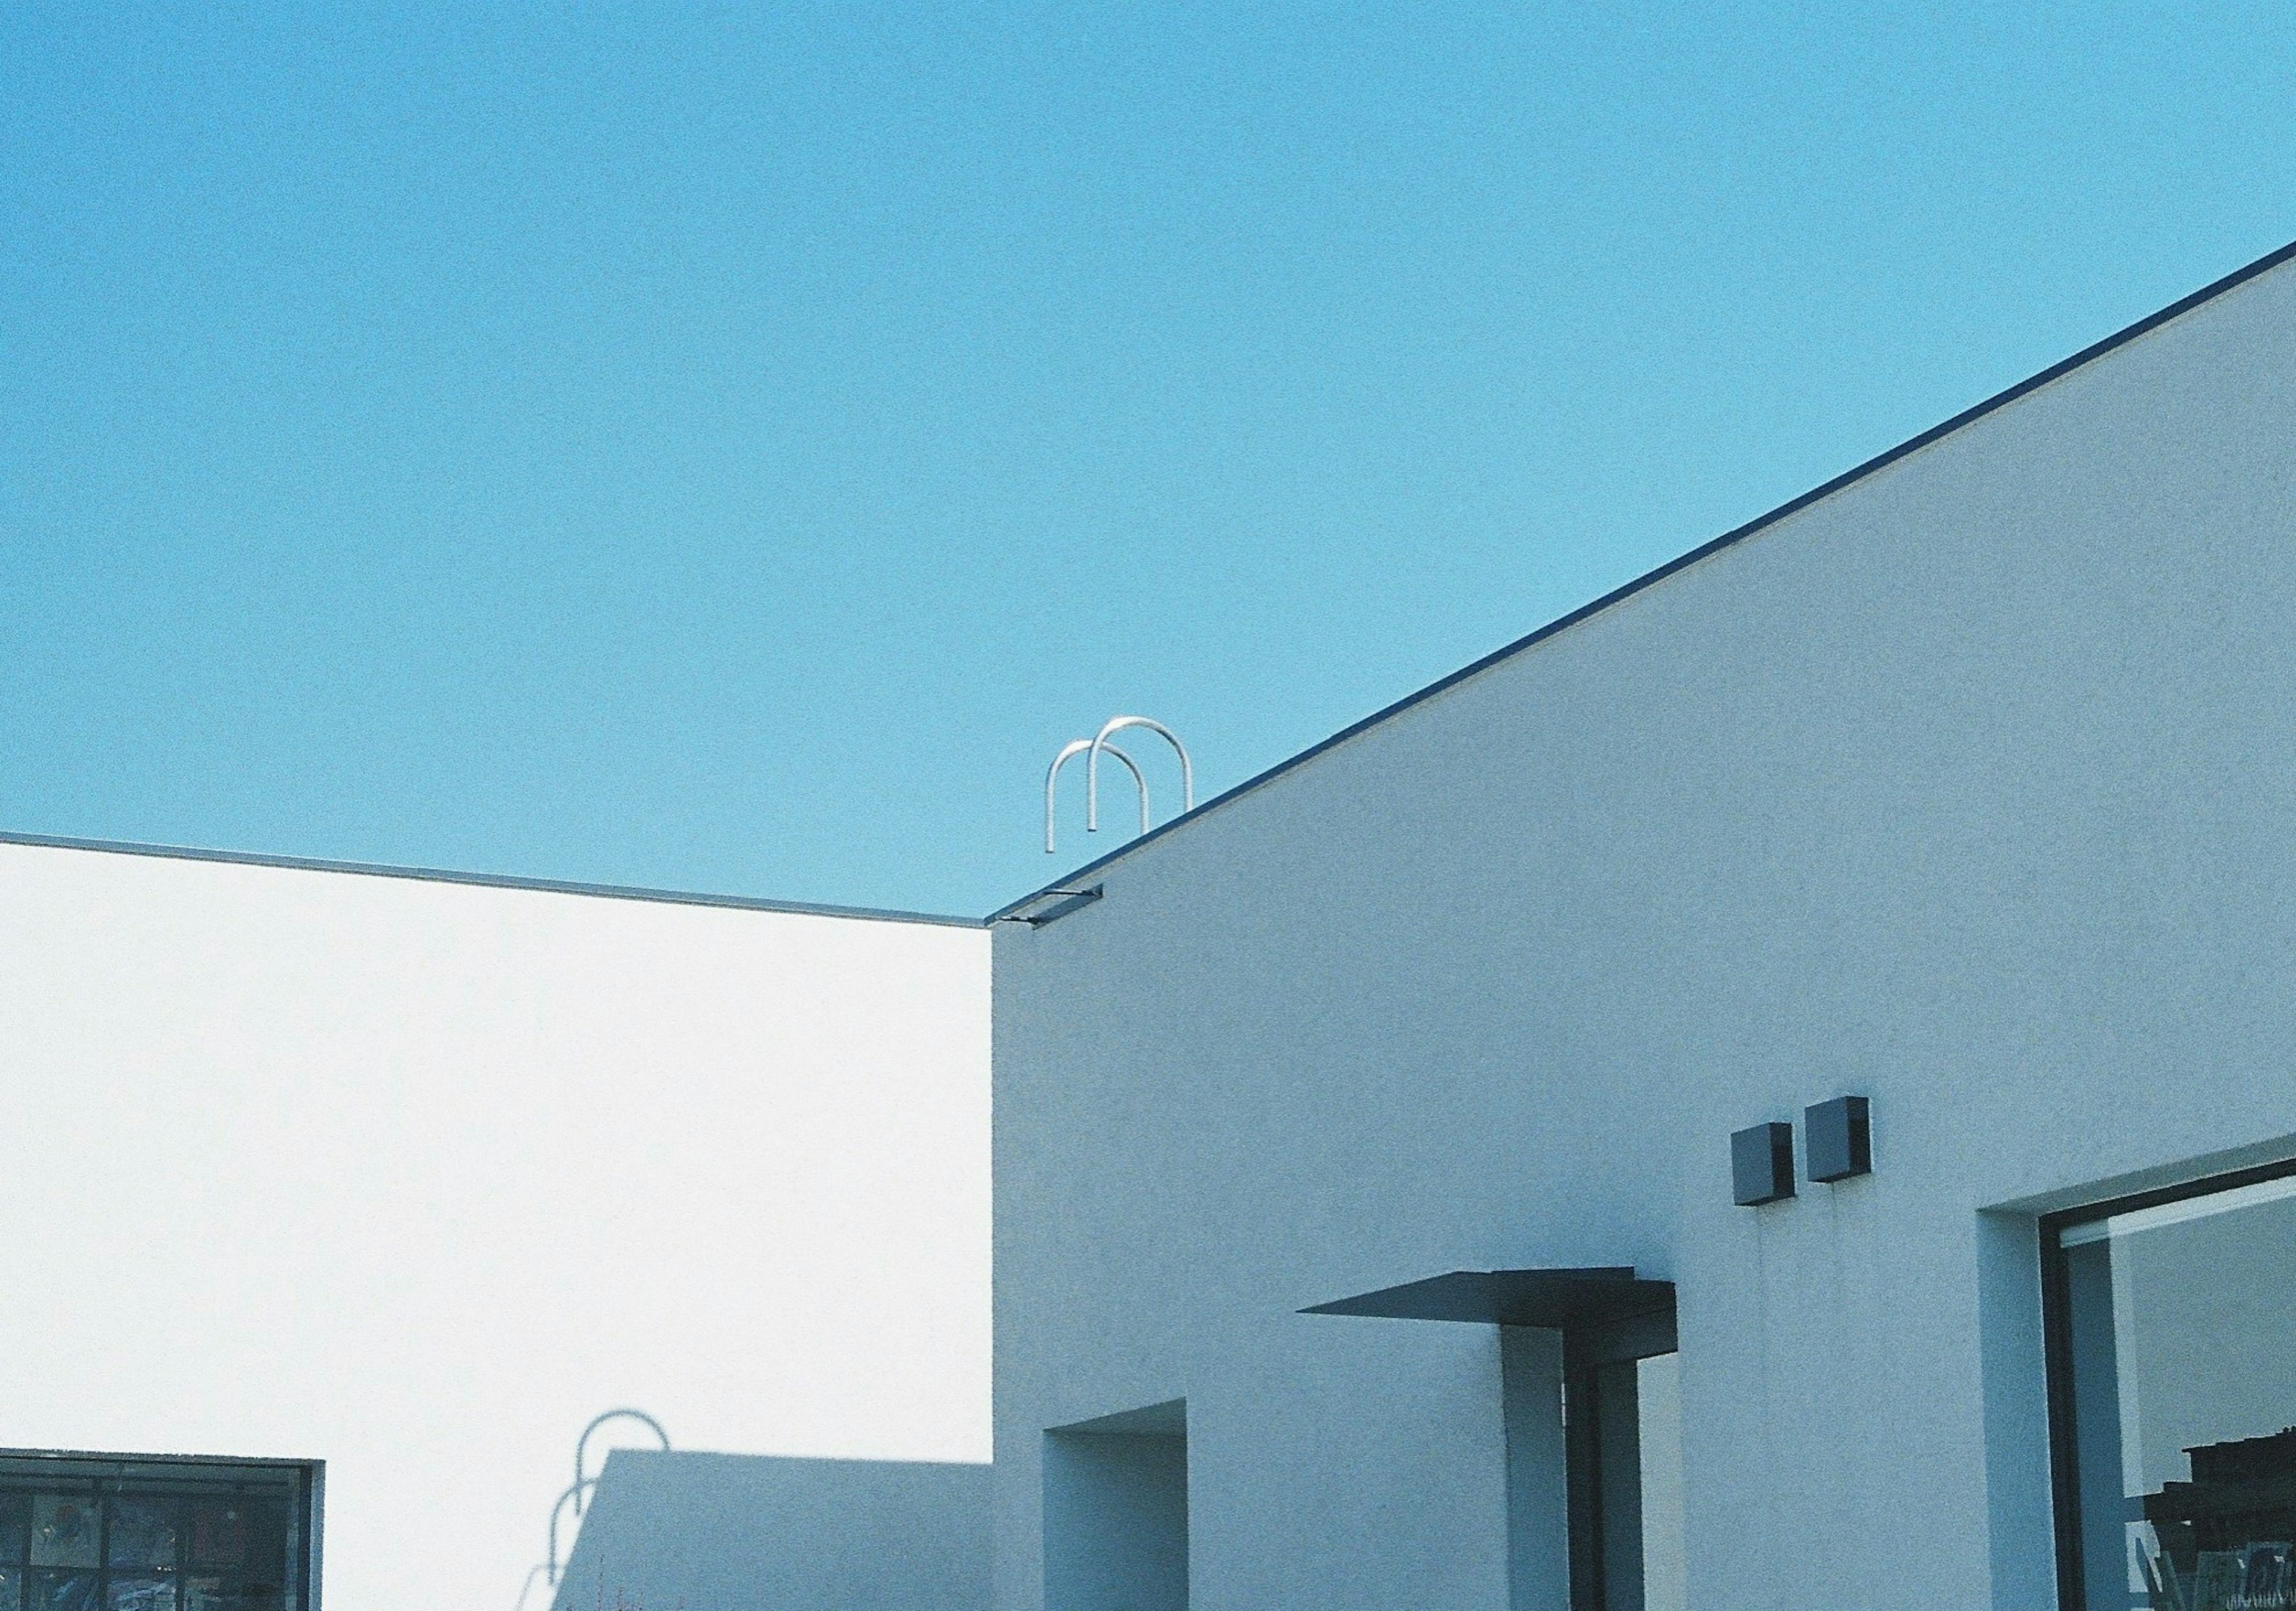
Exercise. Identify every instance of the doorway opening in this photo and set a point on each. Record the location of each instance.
(1116, 1512)
(1622, 1429)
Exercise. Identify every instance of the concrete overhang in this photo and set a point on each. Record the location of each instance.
(1606, 1313)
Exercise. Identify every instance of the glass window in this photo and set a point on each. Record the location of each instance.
(2174, 1400)
(64, 1529)
(88, 1532)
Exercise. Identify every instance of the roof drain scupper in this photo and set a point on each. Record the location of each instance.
(1050, 906)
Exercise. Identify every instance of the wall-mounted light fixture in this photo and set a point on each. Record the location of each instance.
(1762, 1164)
(1839, 1139)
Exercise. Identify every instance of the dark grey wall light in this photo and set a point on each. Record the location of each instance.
(1840, 1139)
(1762, 1164)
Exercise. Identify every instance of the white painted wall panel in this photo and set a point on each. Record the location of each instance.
(743, 1532)
(1971, 788)
(414, 1177)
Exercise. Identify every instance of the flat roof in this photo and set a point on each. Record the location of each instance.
(1847, 478)
(552, 886)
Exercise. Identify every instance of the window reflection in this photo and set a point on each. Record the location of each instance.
(2178, 1319)
(93, 1533)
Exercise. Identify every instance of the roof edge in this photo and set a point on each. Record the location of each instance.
(1792, 506)
(493, 881)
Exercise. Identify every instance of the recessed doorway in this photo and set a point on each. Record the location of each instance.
(1116, 1512)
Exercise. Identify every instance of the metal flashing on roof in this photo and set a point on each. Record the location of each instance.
(1761, 523)
(493, 881)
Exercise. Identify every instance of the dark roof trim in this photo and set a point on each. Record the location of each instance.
(548, 886)
(1881, 461)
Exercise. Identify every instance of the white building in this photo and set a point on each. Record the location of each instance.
(412, 1175)
(1964, 787)
(1774, 1091)
(673, 1529)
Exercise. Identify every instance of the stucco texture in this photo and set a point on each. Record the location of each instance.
(1970, 788)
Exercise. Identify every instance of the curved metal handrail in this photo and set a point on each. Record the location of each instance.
(1078, 746)
(1117, 724)
(582, 1445)
(557, 1510)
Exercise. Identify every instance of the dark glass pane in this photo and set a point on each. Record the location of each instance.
(220, 1533)
(220, 1594)
(63, 1530)
(61, 1591)
(267, 1538)
(99, 1532)
(142, 1534)
(2184, 1399)
(142, 1594)
(15, 1536)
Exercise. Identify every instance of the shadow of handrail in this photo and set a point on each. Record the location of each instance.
(582, 1445)
(573, 1493)
(576, 1491)
(527, 1587)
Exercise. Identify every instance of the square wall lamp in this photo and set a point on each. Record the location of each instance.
(1839, 1139)
(1762, 1164)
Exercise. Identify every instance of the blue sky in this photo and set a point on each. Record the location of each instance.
(732, 448)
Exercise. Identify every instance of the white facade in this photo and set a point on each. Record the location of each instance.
(736, 1531)
(414, 1176)
(1969, 786)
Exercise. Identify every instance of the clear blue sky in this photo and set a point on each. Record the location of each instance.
(732, 447)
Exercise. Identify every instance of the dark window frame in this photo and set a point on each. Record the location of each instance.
(2057, 1352)
(109, 1475)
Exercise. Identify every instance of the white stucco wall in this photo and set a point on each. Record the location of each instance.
(414, 1177)
(743, 1532)
(1971, 788)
